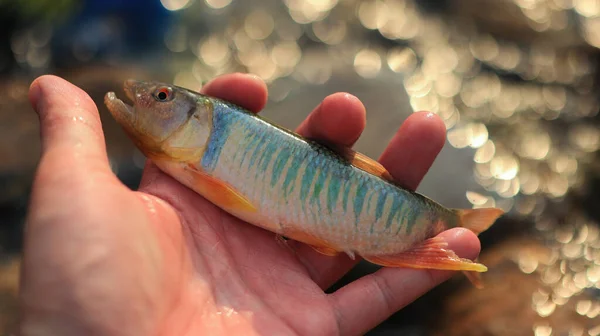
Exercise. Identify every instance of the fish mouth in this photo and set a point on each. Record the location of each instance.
(119, 109)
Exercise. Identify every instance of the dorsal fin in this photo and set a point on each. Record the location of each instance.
(371, 166)
(360, 161)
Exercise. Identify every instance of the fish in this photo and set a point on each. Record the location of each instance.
(330, 197)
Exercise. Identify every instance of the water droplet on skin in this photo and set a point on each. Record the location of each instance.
(79, 119)
(149, 203)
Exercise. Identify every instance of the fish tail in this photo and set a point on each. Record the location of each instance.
(478, 220)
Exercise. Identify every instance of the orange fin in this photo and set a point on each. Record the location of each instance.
(328, 251)
(370, 166)
(360, 161)
(478, 220)
(316, 243)
(430, 254)
(219, 192)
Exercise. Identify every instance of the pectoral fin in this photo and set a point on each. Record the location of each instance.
(431, 254)
(219, 192)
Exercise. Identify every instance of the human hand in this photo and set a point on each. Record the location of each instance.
(100, 259)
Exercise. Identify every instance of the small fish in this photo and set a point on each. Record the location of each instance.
(329, 197)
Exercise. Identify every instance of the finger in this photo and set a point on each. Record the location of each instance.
(413, 149)
(390, 289)
(150, 175)
(70, 125)
(407, 166)
(339, 119)
(245, 90)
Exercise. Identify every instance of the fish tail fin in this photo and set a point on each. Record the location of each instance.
(478, 220)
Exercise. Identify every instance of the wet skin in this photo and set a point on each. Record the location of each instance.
(101, 259)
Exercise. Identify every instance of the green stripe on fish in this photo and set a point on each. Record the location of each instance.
(359, 200)
(280, 161)
(318, 187)
(395, 209)
(260, 143)
(345, 196)
(380, 204)
(333, 192)
(266, 156)
(253, 141)
(290, 176)
(307, 178)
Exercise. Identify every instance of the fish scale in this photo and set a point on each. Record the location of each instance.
(323, 208)
(328, 197)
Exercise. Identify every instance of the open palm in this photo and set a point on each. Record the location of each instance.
(101, 259)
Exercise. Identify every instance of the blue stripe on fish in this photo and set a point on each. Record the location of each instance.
(380, 203)
(280, 161)
(347, 186)
(257, 150)
(319, 184)
(307, 179)
(359, 200)
(394, 211)
(251, 144)
(410, 216)
(266, 156)
(333, 192)
(222, 121)
(290, 176)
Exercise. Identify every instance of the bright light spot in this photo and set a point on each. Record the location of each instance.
(174, 5)
(217, 4)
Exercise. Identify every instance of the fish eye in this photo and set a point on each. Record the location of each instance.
(163, 94)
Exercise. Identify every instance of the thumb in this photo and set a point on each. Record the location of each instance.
(70, 125)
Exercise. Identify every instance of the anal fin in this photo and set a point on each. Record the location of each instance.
(328, 251)
(316, 243)
(430, 254)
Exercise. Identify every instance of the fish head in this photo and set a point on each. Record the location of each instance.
(165, 121)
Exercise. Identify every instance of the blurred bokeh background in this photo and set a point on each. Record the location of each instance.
(516, 82)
